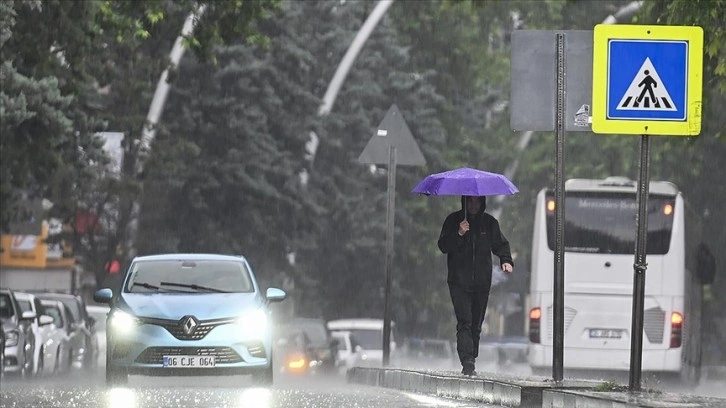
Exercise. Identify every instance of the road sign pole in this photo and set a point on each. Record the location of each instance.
(559, 278)
(391, 211)
(639, 267)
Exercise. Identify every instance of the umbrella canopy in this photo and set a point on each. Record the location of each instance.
(467, 182)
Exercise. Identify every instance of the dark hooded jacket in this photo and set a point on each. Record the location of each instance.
(469, 257)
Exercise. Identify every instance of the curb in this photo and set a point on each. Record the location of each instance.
(517, 392)
(512, 393)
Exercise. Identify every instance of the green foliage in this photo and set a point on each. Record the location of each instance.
(72, 68)
(610, 386)
(708, 14)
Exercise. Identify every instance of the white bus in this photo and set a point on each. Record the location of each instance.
(599, 241)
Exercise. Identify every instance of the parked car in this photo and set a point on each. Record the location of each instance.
(369, 335)
(19, 338)
(189, 314)
(70, 339)
(294, 350)
(312, 337)
(99, 313)
(348, 351)
(85, 355)
(2, 350)
(47, 337)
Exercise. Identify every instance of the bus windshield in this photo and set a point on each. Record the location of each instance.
(604, 223)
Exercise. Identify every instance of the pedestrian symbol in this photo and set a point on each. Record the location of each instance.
(647, 91)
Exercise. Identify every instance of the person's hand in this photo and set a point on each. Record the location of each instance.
(463, 227)
(507, 267)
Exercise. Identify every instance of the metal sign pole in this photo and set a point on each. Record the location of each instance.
(389, 253)
(559, 278)
(391, 144)
(639, 267)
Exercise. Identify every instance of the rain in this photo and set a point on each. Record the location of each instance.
(288, 138)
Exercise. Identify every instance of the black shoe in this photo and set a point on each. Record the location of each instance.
(468, 369)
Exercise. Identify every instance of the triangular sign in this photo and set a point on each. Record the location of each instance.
(393, 131)
(647, 92)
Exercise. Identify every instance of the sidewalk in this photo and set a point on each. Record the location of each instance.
(512, 391)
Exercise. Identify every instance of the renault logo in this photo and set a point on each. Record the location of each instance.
(189, 324)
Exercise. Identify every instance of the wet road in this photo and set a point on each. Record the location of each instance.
(232, 392)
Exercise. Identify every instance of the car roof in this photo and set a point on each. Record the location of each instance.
(306, 320)
(183, 257)
(56, 295)
(349, 324)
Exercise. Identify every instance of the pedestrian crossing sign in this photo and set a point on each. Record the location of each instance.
(647, 80)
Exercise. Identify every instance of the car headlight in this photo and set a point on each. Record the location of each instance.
(123, 322)
(11, 338)
(253, 324)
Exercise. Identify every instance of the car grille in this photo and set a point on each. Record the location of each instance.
(154, 355)
(176, 327)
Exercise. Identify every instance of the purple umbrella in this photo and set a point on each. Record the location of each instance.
(466, 182)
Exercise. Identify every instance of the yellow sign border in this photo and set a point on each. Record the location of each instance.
(605, 32)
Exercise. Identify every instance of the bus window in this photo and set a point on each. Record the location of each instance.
(604, 223)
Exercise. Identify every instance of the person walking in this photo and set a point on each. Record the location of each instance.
(469, 237)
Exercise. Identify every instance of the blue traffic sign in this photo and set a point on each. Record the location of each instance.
(647, 80)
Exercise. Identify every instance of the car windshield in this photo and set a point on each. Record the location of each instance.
(368, 339)
(6, 308)
(316, 333)
(188, 276)
(24, 305)
(74, 308)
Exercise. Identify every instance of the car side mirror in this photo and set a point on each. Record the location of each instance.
(358, 348)
(103, 295)
(45, 320)
(275, 295)
(28, 315)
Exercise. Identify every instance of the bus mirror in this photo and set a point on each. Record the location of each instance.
(705, 265)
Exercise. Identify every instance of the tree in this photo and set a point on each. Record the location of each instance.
(74, 68)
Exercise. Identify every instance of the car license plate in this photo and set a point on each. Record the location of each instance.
(188, 361)
(606, 333)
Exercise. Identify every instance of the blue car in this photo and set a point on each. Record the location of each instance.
(189, 314)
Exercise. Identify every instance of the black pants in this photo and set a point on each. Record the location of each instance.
(469, 308)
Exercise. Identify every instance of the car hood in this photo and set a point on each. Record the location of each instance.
(202, 306)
